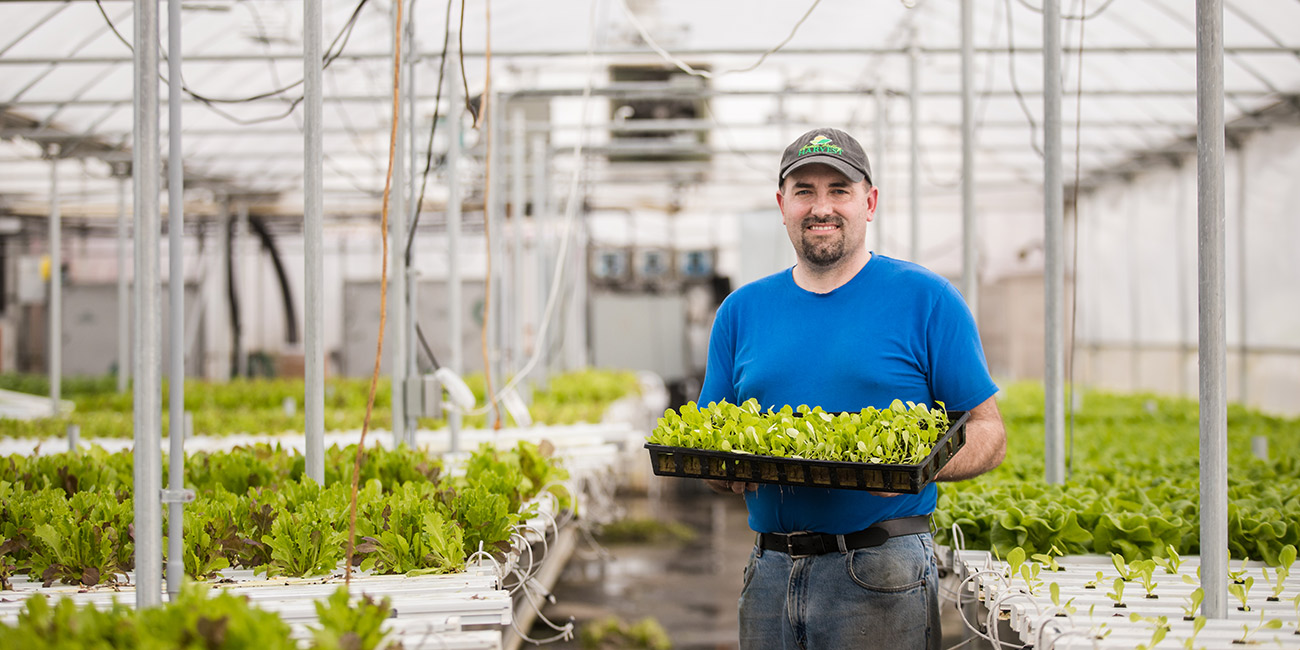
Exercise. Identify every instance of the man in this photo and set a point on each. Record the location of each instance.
(845, 329)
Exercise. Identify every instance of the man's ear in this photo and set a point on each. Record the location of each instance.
(780, 203)
(873, 197)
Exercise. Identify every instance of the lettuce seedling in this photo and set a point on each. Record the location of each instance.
(1270, 624)
(1242, 591)
(1197, 626)
(1171, 561)
(1161, 628)
(1118, 594)
(1125, 573)
(1285, 559)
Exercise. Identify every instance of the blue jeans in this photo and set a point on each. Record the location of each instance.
(882, 597)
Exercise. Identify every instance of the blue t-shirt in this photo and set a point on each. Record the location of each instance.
(895, 331)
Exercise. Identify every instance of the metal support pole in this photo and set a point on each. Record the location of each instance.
(1053, 248)
(176, 291)
(541, 253)
(495, 217)
(456, 360)
(413, 209)
(969, 250)
(1243, 304)
(123, 291)
(878, 164)
(1134, 289)
(56, 287)
(397, 249)
(518, 202)
(241, 338)
(1181, 242)
(313, 210)
(1213, 333)
(147, 471)
(914, 128)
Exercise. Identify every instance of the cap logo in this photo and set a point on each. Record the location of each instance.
(821, 144)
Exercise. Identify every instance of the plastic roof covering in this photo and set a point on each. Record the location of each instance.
(66, 77)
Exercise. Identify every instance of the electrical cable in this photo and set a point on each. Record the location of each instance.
(1015, 86)
(460, 42)
(1082, 16)
(686, 67)
(433, 128)
(383, 296)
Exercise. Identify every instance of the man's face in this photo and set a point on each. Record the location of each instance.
(825, 215)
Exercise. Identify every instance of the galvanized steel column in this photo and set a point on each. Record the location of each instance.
(123, 289)
(914, 128)
(456, 360)
(397, 246)
(147, 471)
(541, 253)
(313, 209)
(1053, 249)
(518, 202)
(176, 302)
(1213, 333)
(878, 164)
(969, 251)
(413, 210)
(55, 345)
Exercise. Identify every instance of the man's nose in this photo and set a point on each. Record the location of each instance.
(822, 207)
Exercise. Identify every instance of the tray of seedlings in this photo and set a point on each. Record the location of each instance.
(895, 449)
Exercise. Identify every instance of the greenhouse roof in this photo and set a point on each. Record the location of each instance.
(751, 76)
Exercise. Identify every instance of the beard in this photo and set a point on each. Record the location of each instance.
(824, 251)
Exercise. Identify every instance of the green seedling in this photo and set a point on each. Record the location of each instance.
(1067, 607)
(1029, 572)
(1049, 558)
(1197, 625)
(1162, 628)
(1171, 561)
(1296, 602)
(1118, 594)
(1242, 591)
(1195, 598)
(1285, 559)
(1125, 573)
(1145, 571)
(1092, 584)
(1239, 576)
(1270, 624)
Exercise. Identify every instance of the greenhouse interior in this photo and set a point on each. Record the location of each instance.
(374, 325)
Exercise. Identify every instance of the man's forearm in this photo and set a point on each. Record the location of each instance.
(985, 448)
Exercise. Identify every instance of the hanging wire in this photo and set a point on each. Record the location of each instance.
(383, 295)
(428, 156)
(1082, 16)
(686, 67)
(1074, 293)
(1015, 85)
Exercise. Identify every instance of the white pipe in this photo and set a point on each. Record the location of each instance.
(1053, 249)
(313, 210)
(176, 291)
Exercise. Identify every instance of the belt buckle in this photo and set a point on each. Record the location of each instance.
(789, 544)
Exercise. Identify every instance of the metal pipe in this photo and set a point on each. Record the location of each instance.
(540, 253)
(969, 250)
(658, 90)
(1134, 288)
(495, 217)
(1180, 273)
(518, 203)
(147, 471)
(687, 53)
(1053, 249)
(412, 198)
(454, 307)
(56, 287)
(878, 165)
(123, 290)
(1212, 331)
(313, 219)
(914, 154)
(1243, 304)
(176, 291)
(241, 233)
(397, 248)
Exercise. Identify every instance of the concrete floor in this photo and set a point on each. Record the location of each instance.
(691, 590)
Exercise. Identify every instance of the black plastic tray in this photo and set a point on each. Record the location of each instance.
(910, 479)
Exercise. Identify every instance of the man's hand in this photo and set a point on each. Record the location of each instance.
(731, 487)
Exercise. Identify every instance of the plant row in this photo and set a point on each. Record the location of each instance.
(902, 434)
(196, 619)
(411, 517)
(1133, 488)
(256, 406)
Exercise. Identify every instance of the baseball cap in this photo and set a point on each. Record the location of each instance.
(827, 146)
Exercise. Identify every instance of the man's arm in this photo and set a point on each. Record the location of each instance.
(986, 444)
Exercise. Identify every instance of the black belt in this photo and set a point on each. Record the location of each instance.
(805, 544)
